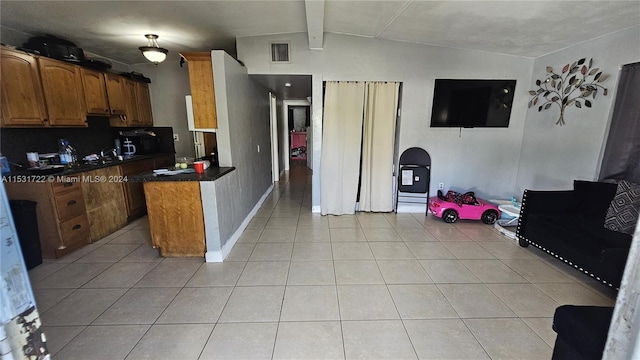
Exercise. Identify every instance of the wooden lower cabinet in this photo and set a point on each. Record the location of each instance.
(62, 219)
(85, 209)
(104, 200)
(133, 191)
(172, 207)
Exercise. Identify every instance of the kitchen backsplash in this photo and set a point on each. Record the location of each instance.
(15, 143)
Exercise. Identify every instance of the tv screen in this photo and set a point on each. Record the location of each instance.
(472, 103)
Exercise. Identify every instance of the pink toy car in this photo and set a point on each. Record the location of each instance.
(454, 206)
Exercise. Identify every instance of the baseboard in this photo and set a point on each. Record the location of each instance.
(219, 256)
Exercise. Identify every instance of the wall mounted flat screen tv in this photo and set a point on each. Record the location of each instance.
(472, 103)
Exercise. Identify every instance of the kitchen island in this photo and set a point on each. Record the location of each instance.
(186, 214)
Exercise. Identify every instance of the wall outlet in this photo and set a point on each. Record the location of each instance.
(176, 137)
(440, 186)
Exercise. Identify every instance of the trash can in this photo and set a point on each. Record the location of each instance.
(26, 222)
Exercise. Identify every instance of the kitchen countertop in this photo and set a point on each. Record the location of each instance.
(88, 167)
(210, 174)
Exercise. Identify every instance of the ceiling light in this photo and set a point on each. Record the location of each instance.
(287, 84)
(152, 51)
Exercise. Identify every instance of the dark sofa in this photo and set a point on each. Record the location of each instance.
(569, 225)
(582, 332)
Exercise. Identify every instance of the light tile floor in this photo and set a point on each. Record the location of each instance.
(302, 286)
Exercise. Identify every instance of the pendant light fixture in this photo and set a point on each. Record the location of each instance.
(152, 51)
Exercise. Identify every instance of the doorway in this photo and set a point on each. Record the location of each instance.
(297, 117)
(299, 120)
(358, 147)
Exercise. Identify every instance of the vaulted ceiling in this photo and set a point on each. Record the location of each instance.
(115, 29)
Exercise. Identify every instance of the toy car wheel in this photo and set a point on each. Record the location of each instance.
(489, 217)
(450, 216)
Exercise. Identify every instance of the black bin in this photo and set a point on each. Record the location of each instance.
(26, 221)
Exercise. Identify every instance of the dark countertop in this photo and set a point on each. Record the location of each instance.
(209, 174)
(89, 167)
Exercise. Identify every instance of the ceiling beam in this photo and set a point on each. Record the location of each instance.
(315, 23)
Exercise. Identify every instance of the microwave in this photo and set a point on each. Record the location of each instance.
(139, 144)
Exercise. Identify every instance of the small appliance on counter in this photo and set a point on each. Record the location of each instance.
(138, 142)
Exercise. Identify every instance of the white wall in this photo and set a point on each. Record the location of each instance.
(283, 152)
(483, 160)
(553, 156)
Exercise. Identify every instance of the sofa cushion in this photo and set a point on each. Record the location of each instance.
(584, 328)
(622, 214)
(593, 198)
(613, 239)
(559, 231)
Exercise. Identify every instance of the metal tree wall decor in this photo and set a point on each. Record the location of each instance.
(573, 87)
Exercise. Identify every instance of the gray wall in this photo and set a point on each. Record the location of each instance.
(243, 126)
(553, 156)
(169, 85)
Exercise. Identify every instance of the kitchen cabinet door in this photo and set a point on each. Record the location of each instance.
(104, 202)
(22, 99)
(144, 104)
(115, 94)
(202, 92)
(133, 191)
(95, 92)
(63, 95)
(131, 103)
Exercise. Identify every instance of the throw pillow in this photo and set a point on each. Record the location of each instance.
(622, 214)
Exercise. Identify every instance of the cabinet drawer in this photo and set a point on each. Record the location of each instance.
(69, 204)
(59, 187)
(75, 230)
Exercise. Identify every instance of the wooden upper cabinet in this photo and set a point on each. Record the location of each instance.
(22, 99)
(132, 116)
(63, 92)
(144, 104)
(95, 92)
(202, 91)
(115, 93)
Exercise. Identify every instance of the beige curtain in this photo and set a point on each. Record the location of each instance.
(341, 134)
(376, 188)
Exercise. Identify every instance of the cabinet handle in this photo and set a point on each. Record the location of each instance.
(68, 184)
(76, 227)
(71, 202)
